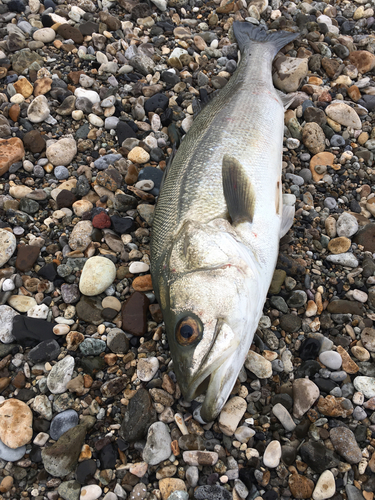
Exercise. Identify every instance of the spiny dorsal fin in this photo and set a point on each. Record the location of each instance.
(239, 193)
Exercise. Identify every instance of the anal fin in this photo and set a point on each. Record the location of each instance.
(239, 193)
(287, 219)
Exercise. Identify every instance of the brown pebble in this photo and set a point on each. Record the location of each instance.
(134, 314)
(6, 484)
(332, 407)
(300, 486)
(26, 257)
(142, 283)
(348, 365)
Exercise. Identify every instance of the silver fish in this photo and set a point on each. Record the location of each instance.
(217, 224)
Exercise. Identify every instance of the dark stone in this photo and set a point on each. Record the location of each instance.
(114, 386)
(31, 331)
(69, 32)
(109, 314)
(156, 101)
(16, 6)
(141, 10)
(85, 471)
(366, 238)
(353, 493)
(288, 454)
(61, 458)
(214, 492)
(134, 314)
(6, 349)
(124, 131)
(65, 199)
(108, 456)
(123, 225)
(92, 365)
(283, 399)
(308, 369)
(28, 206)
(151, 174)
(89, 309)
(89, 28)
(25, 395)
(36, 454)
(34, 141)
(26, 257)
(40, 424)
(290, 323)
(316, 115)
(48, 272)
(47, 350)
(318, 457)
(139, 415)
(325, 384)
(47, 21)
(309, 349)
(345, 307)
(290, 266)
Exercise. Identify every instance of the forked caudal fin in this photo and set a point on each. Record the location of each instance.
(246, 34)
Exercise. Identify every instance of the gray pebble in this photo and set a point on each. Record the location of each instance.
(61, 172)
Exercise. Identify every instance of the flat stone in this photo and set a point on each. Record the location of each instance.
(26, 257)
(339, 245)
(31, 331)
(363, 60)
(68, 32)
(21, 303)
(318, 457)
(345, 307)
(331, 359)
(16, 421)
(10, 454)
(134, 314)
(34, 141)
(89, 309)
(368, 339)
(345, 444)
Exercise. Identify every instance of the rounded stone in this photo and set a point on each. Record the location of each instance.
(272, 455)
(98, 274)
(8, 244)
(62, 151)
(38, 111)
(45, 35)
(16, 421)
(138, 155)
(331, 359)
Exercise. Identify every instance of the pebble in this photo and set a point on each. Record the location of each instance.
(305, 393)
(345, 444)
(90, 492)
(16, 420)
(147, 368)
(282, 414)
(331, 360)
(60, 375)
(231, 415)
(158, 444)
(258, 365)
(98, 274)
(366, 385)
(272, 455)
(325, 487)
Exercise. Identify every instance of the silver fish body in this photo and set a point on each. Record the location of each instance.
(217, 225)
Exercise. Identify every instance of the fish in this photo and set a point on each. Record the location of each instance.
(217, 224)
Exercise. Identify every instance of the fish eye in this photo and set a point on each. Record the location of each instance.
(188, 330)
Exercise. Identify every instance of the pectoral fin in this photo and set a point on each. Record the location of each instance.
(287, 219)
(239, 193)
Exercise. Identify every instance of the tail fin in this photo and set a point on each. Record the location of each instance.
(246, 34)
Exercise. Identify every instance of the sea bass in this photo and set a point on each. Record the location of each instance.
(217, 224)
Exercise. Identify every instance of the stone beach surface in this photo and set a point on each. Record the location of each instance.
(94, 95)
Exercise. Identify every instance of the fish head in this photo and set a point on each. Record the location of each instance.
(209, 296)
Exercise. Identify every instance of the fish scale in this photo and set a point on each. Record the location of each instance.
(214, 250)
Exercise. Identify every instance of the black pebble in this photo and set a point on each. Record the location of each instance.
(31, 331)
(123, 225)
(309, 349)
(85, 471)
(155, 102)
(108, 456)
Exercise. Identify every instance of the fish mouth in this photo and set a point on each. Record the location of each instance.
(215, 377)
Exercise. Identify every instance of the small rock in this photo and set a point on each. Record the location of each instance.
(158, 445)
(325, 487)
(305, 393)
(98, 274)
(345, 444)
(16, 420)
(272, 455)
(231, 415)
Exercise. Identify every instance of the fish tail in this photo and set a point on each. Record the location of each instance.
(247, 34)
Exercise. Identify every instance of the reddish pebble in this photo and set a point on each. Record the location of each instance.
(101, 221)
